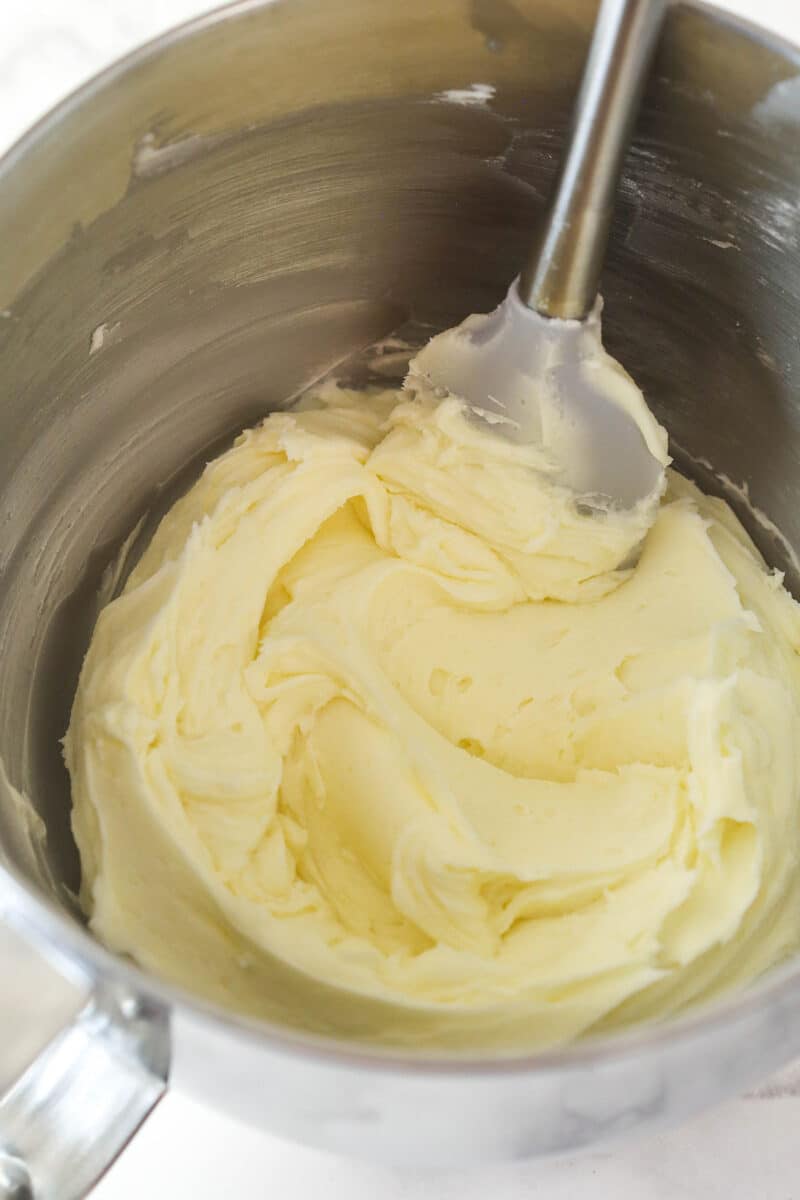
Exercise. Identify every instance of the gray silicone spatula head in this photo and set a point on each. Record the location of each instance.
(535, 368)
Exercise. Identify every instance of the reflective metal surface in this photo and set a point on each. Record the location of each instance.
(561, 275)
(202, 231)
(77, 1106)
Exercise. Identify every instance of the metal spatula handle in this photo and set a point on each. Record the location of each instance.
(562, 275)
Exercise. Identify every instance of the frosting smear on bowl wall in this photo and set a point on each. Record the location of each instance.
(383, 704)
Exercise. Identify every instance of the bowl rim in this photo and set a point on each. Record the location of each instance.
(70, 948)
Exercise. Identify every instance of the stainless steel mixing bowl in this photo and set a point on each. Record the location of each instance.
(186, 242)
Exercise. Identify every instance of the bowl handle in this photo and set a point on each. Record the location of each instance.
(74, 1108)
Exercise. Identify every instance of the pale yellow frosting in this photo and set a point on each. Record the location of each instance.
(379, 740)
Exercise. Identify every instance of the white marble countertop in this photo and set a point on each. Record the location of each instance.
(747, 1149)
